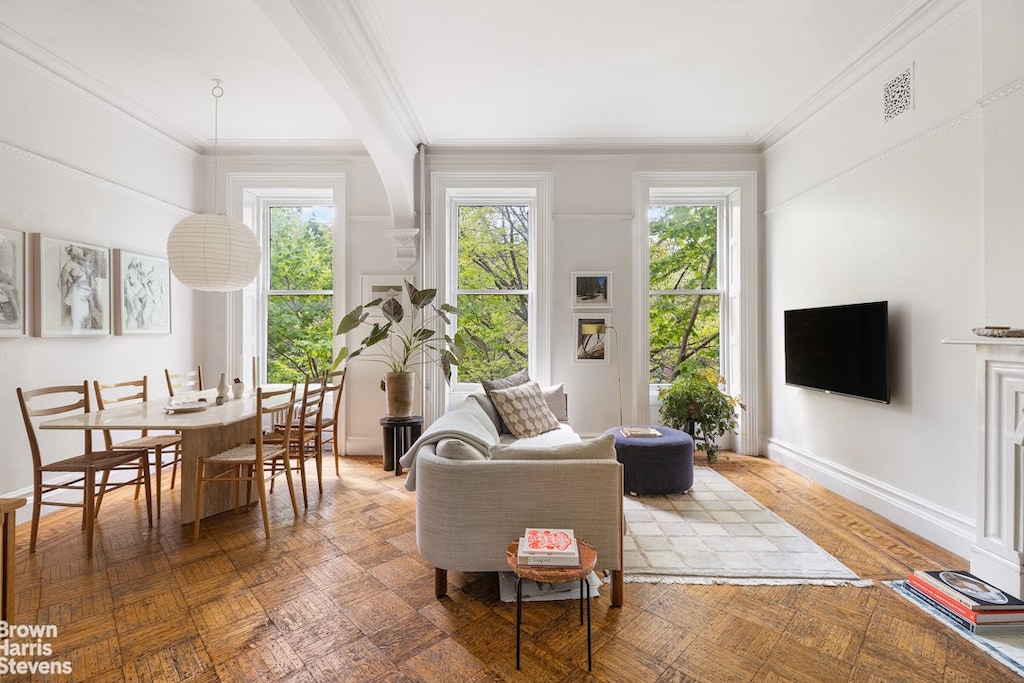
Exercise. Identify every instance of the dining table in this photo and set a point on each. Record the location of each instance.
(206, 428)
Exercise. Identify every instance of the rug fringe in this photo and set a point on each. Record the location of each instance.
(709, 580)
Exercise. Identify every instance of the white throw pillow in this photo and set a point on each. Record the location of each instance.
(555, 397)
(598, 448)
(524, 410)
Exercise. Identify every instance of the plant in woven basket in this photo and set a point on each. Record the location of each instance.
(696, 403)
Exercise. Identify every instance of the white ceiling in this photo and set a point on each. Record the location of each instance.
(456, 71)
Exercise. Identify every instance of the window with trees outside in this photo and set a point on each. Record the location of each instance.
(685, 298)
(492, 291)
(299, 292)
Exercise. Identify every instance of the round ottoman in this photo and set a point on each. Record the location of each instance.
(655, 464)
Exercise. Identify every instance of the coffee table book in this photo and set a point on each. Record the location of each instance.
(960, 620)
(969, 590)
(640, 432)
(989, 617)
(548, 548)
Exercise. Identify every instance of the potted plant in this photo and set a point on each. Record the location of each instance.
(404, 347)
(695, 401)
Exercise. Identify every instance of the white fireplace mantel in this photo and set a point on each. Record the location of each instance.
(998, 553)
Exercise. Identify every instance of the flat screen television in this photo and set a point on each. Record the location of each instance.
(840, 349)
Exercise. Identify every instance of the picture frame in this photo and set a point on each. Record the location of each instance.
(590, 346)
(380, 286)
(12, 283)
(142, 294)
(591, 289)
(71, 288)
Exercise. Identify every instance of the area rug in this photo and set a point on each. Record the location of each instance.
(1008, 648)
(717, 533)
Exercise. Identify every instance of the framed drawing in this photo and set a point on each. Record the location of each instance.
(72, 288)
(384, 287)
(590, 337)
(592, 290)
(12, 283)
(142, 294)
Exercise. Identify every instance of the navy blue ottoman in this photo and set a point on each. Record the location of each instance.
(655, 464)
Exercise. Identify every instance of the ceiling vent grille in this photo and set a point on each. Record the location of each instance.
(899, 94)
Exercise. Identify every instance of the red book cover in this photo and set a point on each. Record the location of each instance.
(550, 541)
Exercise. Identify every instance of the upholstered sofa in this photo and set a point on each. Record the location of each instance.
(477, 489)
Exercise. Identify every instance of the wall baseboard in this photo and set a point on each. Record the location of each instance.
(940, 525)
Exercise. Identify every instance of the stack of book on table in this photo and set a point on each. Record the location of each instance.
(640, 432)
(548, 548)
(968, 601)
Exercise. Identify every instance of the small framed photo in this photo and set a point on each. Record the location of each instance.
(72, 288)
(142, 295)
(592, 290)
(384, 287)
(12, 283)
(590, 335)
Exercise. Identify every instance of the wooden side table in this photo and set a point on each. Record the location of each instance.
(399, 434)
(7, 508)
(588, 560)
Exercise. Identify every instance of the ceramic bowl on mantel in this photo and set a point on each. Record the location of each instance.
(997, 331)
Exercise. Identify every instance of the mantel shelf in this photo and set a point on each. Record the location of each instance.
(985, 341)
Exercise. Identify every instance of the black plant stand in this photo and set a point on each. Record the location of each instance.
(399, 435)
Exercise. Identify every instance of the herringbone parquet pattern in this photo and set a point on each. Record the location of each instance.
(341, 594)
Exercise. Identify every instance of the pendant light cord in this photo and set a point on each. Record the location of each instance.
(217, 92)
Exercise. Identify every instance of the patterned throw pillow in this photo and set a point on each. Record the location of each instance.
(524, 410)
(513, 380)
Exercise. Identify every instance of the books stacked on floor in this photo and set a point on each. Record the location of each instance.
(972, 604)
(548, 548)
(640, 432)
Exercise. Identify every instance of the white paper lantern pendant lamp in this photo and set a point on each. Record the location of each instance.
(212, 252)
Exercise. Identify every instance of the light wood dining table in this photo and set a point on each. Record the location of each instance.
(203, 432)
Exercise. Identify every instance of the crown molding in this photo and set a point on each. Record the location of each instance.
(918, 19)
(594, 146)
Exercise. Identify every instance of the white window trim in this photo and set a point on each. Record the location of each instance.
(448, 191)
(739, 278)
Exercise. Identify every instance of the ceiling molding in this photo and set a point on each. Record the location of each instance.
(596, 146)
(63, 73)
(916, 19)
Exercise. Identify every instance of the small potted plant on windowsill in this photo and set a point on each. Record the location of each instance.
(405, 347)
(695, 402)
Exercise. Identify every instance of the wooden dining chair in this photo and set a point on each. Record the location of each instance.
(69, 400)
(303, 435)
(129, 392)
(183, 382)
(249, 462)
(332, 420)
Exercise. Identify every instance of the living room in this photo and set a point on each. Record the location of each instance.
(844, 206)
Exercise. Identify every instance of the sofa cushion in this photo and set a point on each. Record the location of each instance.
(513, 380)
(457, 449)
(598, 448)
(524, 410)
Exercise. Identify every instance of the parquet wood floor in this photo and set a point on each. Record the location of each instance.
(341, 594)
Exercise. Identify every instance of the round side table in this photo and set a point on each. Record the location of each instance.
(655, 465)
(399, 435)
(588, 560)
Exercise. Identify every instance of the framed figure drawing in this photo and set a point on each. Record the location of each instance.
(142, 294)
(591, 338)
(12, 283)
(384, 287)
(592, 290)
(72, 288)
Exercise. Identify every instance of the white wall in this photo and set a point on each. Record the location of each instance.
(914, 211)
(72, 168)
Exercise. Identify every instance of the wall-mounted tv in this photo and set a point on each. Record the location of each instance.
(840, 349)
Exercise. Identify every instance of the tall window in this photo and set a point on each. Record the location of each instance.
(492, 287)
(299, 296)
(685, 298)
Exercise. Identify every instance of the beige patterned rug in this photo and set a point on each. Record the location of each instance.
(717, 533)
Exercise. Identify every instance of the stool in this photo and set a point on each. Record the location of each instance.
(399, 435)
(588, 560)
(655, 465)
(7, 508)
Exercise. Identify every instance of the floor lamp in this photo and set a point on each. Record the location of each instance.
(597, 329)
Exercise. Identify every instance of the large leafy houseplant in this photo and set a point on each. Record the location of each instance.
(405, 347)
(695, 402)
